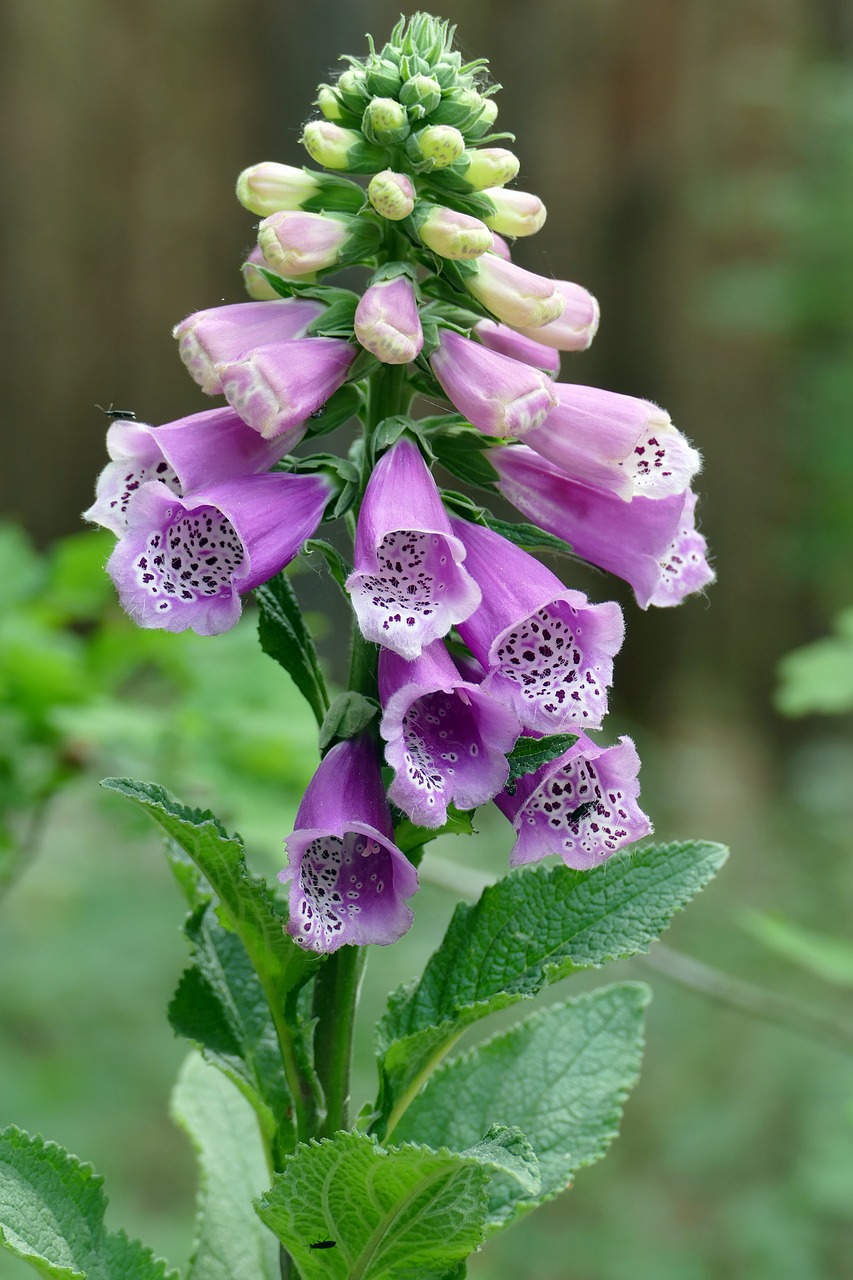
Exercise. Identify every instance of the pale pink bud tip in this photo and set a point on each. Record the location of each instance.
(454, 235)
(269, 188)
(296, 243)
(387, 322)
(517, 213)
(518, 297)
(575, 329)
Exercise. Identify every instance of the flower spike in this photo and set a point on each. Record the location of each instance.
(348, 880)
(408, 587)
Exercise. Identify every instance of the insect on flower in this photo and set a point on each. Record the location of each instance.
(126, 415)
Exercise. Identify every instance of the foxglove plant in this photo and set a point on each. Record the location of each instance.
(479, 672)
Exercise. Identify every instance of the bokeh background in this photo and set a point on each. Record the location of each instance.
(696, 157)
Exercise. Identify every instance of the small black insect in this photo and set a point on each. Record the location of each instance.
(318, 413)
(582, 810)
(323, 1244)
(126, 415)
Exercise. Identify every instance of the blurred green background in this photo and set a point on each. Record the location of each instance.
(696, 157)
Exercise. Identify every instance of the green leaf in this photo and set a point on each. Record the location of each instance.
(349, 713)
(528, 536)
(285, 637)
(561, 1077)
(52, 1216)
(245, 904)
(247, 909)
(463, 452)
(527, 931)
(231, 1243)
(336, 321)
(220, 1005)
(338, 409)
(400, 1212)
(529, 754)
(407, 836)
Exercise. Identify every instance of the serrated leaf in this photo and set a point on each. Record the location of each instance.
(52, 1215)
(527, 931)
(529, 754)
(464, 453)
(285, 637)
(399, 1212)
(245, 906)
(220, 1005)
(245, 903)
(528, 536)
(231, 1243)
(349, 713)
(561, 1076)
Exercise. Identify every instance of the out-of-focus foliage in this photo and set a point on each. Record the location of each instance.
(828, 958)
(819, 676)
(82, 688)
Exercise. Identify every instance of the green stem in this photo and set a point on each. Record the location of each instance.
(336, 986)
(335, 1001)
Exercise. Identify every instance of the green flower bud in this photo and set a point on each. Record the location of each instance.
(383, 78)
(485, 120)
(491, 167)
(459, 108)
(329, 102)
(391, 194)
(385, 122)
(435, 147)
(421, 91)
(338, 148)
(352, 87)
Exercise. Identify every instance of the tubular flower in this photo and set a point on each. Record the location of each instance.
(222, 334)
(446, 738)
(499, 395)
(509, 342)
(614, 442)
(576, 327)
(183, 562)
(276, 388)
(516, 296)
(184, 455)
(684, 567)
(387, 322)
(548, 653)
(489, 167)
(651, 543)
(582, 806)
(348, 880)
(408, 587)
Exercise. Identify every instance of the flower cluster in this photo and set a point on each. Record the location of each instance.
(478, 643)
